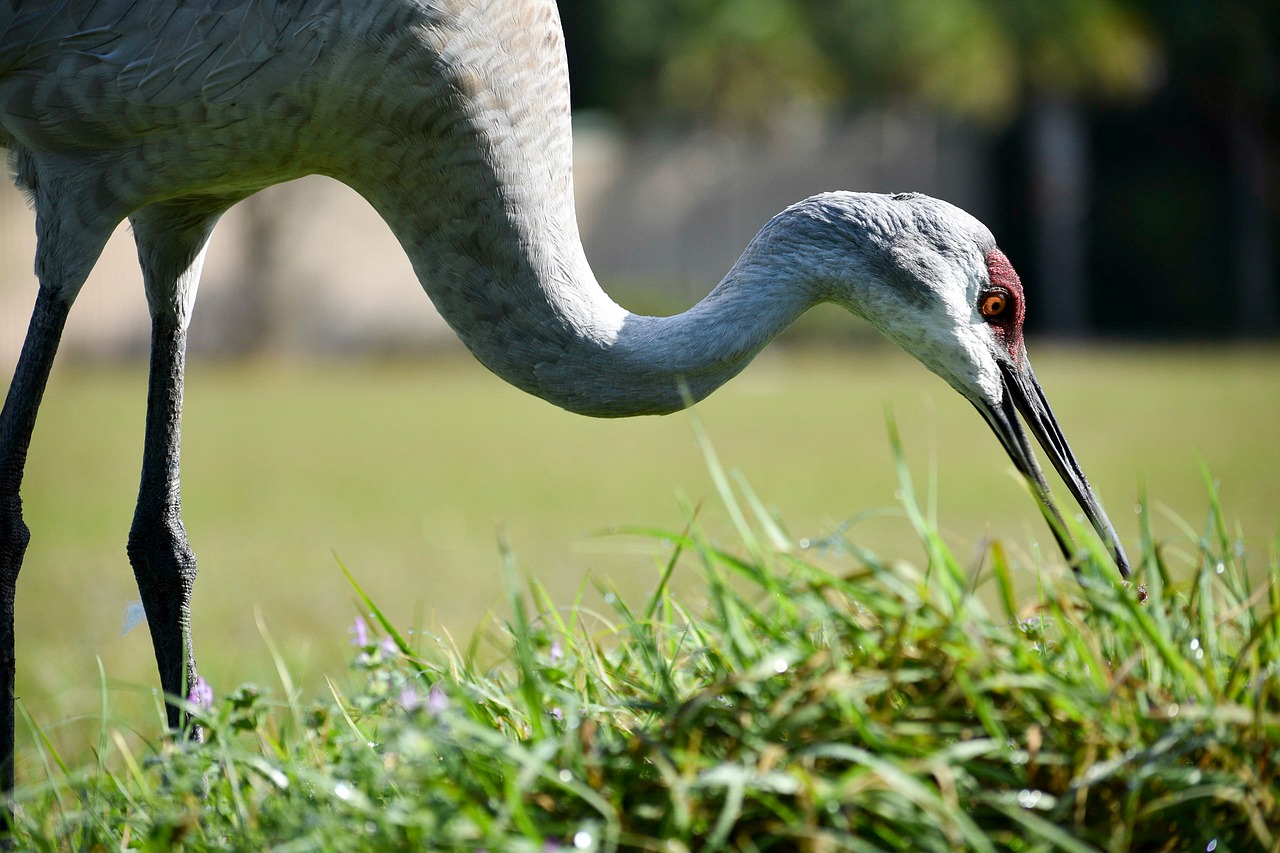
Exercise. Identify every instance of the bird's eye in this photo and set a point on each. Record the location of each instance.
(994, 304)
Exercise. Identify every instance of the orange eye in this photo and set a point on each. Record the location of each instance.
(994, 305)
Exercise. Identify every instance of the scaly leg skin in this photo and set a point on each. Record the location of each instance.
(171, 239)
(16, 423)
(162, 560)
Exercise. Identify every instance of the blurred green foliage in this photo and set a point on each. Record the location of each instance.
(742, 62)
(1177, 101)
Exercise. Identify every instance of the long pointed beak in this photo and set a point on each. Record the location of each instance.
(1022, 393)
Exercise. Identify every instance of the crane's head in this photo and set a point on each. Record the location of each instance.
(930, 277)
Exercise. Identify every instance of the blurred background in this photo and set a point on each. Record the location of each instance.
(1124, 152)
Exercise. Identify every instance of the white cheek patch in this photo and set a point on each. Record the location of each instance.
(954, 345)
(987, 376)
(969, 365)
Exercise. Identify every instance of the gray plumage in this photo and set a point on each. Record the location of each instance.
(451, 117)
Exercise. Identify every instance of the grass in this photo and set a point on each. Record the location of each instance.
(807, 699)
(408, 472)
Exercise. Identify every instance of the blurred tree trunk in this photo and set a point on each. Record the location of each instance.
(259, 311)
(1059, 156)
(1255, 263)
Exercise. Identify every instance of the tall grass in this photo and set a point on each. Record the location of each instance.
(816, 699)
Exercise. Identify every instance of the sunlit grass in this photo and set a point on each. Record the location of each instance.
(409, 472)
(815, 699)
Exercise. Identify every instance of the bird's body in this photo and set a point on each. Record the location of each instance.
(451, 117)
(464, 149)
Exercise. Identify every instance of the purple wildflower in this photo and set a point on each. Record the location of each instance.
(556, 652)
(437, 701)
(359, 632)
(389, 647)
(410, 698)
(201, 695)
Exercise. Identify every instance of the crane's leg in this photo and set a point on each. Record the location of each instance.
(163, 563)
(68, 245)
(17, 420)
(171, 240)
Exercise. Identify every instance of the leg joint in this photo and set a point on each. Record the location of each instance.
(14, 537)
(159, 552)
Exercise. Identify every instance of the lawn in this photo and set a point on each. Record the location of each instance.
(409, 472)
(793, 701)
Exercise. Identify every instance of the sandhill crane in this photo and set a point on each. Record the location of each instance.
(451, 117)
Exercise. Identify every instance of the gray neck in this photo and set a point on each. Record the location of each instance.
(517, 289)
(475, 180)
(655, 365)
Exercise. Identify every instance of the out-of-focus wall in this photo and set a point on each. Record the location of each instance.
(308, 266)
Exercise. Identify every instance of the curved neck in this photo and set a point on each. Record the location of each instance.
(474, 176)
(519, 292)
(655, 365)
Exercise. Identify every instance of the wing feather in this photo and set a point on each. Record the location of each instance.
(82, 70)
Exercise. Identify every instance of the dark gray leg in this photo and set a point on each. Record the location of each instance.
(171, 239)
(162, 561)
(17, 420)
